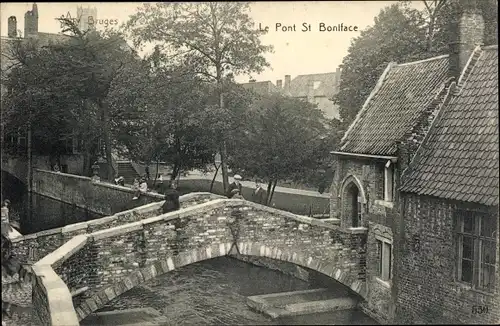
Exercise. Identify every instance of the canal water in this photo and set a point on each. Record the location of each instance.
(43, 213)
(214, 292)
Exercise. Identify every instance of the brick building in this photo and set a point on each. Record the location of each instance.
(440, 117)
(369, 164)
(449, 267)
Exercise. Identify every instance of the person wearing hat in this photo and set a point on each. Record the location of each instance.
(236, 184)
(259, 195)
(143, 188)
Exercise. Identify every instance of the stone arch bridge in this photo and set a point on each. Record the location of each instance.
(99, 261)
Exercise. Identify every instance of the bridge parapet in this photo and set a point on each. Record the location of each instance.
(36, 245)
(111, 261)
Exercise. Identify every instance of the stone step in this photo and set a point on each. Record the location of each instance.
(295, 303)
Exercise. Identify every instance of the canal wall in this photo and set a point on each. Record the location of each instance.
(296, 201)
(104, 264)
(105, 198)
(98, 197)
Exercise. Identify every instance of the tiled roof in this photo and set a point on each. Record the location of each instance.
(328, 85)
(262, 88)
(459, 157)
(395, 108)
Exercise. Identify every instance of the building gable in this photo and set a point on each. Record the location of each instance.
(459, 158)
(395, 106)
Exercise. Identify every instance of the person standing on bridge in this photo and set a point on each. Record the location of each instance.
(259, 194)
(5, 211)
(236, 184)
(171, 198)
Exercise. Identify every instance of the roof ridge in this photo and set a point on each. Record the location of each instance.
(319, 73)
(374, 91)
(423, 60)
(466, 72)
(442, 107)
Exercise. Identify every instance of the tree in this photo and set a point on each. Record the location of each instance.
(283, 139)
(217, 38)
(173, 103)
(401, 34)
(396, 36)
(64, 86)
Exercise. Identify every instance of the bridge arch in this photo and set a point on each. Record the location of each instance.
(166, 264)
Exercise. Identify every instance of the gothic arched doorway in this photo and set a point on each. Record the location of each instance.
(352, 205)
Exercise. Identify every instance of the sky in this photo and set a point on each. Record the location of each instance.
(295, 52)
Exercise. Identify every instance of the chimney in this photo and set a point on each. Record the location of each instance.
(337, 77)
(12, 27)
(31, 21)
(466, 32)
(279, 83)
(287, 83)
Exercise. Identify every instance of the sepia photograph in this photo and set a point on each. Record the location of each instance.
(250, 163)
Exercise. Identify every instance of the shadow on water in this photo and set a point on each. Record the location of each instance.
(37, 213)
(214, 292)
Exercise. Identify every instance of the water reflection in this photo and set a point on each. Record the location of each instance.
(214, 292)
(37, 213)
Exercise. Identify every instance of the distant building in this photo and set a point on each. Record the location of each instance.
(314, 88)
(261, 88)
(86, 18)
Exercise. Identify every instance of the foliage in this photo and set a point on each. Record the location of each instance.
(215, 39)
(400, 34)
(396, 36)
(285, 138)
(64, 86)
(171, 125)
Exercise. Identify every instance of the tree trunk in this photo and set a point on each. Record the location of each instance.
(430, 33)
(30, 164)
(107, 139)
(156, 174)
(268, 195)
(213, 179)
(223, 149)
(223, 156)
(272, 191)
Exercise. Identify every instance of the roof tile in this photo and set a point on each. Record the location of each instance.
(405, 93)
(463, 142)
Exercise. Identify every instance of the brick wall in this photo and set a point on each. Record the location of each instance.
(111, 261)
(33, 247)
(428, 292)
(379, 302)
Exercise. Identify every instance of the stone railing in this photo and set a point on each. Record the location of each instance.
(34, 246)
(103, 264)
(51, 299)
